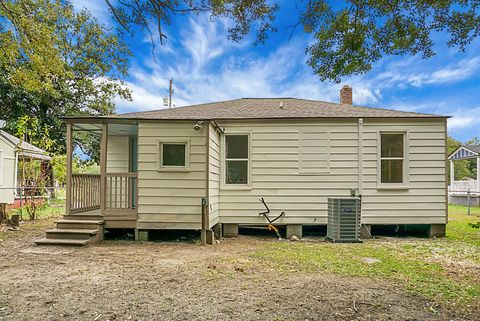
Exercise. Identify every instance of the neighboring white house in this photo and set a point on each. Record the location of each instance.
(11, 150)
(464, 191)
(207, 165)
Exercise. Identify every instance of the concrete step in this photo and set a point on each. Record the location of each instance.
(61, 242)
(79, 224)
(78, 234)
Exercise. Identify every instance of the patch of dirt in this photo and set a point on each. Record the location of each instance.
(156, 281)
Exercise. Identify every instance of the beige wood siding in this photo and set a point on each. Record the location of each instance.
(170, 199)
(214, 176)
(423, 201)
(8, 170)
(118, 154)
(277, 177)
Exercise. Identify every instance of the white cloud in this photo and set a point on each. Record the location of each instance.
(457, 122)
(464, 119)
(140, 97)
(461, 70)
(417, 73)
(206, 67)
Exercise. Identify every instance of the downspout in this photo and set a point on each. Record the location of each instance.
(360, 157)
(206, 200)
(452, 172)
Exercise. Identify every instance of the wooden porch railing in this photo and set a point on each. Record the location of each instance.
(120, 198)
(85, 194)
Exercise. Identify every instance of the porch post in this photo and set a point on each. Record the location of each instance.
(452, 173)
(68, 196)
(103, 168)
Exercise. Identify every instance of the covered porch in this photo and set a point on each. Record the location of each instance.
(111, 194)
(464, 192)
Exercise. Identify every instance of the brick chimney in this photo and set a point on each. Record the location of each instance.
(346, 96)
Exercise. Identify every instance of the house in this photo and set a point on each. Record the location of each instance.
(463, 192)
(13, 150)
(206, 166)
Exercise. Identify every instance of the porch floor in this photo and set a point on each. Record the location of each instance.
(97, 212)
(111, 220)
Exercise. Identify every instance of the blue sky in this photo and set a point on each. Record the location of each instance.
(206, 67)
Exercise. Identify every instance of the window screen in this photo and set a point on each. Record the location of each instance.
(173, 155)
(236, 159)
(392, 157)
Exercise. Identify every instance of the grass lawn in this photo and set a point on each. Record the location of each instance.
(443, 269)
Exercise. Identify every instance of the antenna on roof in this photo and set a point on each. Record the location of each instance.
(167, 101)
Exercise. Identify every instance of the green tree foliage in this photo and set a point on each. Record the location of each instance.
(462, 167)
(245, 14)
(349, 35)
(472, 165)
(56, 61)
(33, 174)
(59, 167)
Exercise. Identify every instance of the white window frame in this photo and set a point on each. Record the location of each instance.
(405, 163)
(223, 146)
(161, 167)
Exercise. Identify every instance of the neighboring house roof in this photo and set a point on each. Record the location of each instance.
(24, 148)
(475, 148)
(465, 152)
(271, 108)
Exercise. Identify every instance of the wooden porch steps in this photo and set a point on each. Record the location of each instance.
(61, 242)
(78, 224)
(73, 232)
(76, 234)
(84, 217)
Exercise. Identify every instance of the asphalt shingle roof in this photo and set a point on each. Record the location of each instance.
(270, 108)
(475, 148)
(25, 148)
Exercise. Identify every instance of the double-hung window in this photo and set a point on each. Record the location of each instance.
(392, 158)
(237, 151)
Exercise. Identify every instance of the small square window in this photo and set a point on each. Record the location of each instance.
(173, 155)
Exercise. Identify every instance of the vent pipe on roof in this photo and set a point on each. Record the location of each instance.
(346, 95)
(280, 105)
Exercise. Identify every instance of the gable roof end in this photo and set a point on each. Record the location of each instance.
(464, 152)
